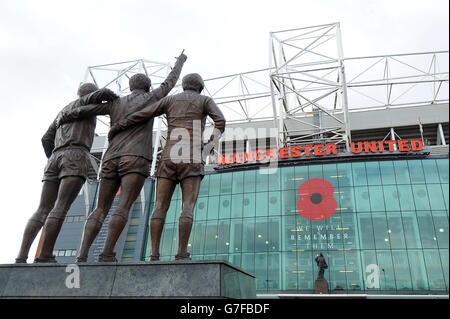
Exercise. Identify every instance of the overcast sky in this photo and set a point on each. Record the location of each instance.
(45, 47)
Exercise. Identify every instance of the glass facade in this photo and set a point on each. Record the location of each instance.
(388, 231)
(133, 226)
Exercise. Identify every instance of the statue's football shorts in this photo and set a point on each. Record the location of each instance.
(179, 171)
(67, 162)
(117, 167)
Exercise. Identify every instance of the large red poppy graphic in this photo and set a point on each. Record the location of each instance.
(316, 199)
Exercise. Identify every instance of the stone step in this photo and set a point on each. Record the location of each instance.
(176, 279)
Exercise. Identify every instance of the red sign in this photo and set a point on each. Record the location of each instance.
(319, 150)
(316, 199)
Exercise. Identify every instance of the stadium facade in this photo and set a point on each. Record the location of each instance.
(361, 176)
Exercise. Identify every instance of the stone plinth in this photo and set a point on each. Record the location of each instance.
(177, 279)
(321, 286)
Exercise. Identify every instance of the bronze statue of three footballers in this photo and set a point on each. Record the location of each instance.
(126, 162)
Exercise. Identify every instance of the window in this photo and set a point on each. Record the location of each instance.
(223, 240)
(213, 207)
(373, 173)
(377, 202)
(236, 236)
(381, 231)
(214, 184)
(301, 175)
(362, 199)
(262, 180)
(204, 187)
(274, 180)
(261, 235)
(173, 210)
(442, 165)
(395, 230)
(249, 205)
(437, 201)
(225, 183)
(389, 232)
(237, 205)
(359, 174)
(417, 267)
(405, 195)
(387, 173)
(287, 178)
(431, 172)
(401, 172)
(248, 235)
(261, 201)
(315, 171)
(387, 275)
(330, 174)
(421, 197)
(238, 182)
(416, 172)
(440, 221)
(401, 270)
(225, 207)
(345, 174)
(168, 238)
(391, 197)
(250, 180)
(434, 269)
(426, 229)
(201, 208)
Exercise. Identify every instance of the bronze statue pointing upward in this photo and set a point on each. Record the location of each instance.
(186, 115)
(126, 162)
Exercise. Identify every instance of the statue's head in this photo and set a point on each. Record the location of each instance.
(193, 81)
(86, 88)
(140, 82)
